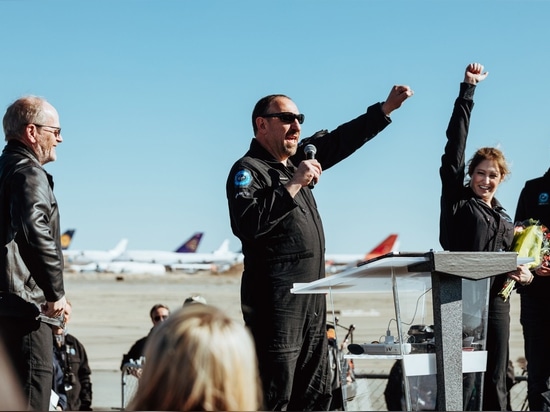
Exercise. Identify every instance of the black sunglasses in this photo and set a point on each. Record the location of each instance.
(286, 117)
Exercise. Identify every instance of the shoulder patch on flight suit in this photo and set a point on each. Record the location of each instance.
(243, 178)
(241, 182)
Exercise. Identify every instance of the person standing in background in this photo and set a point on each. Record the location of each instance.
(473, 220)
(158, 313)
(73, 359)
(194, 299)
(58, 399)
(31, 261)
(274, 214)
(534, 203)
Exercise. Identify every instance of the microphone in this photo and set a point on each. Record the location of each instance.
(310, 151)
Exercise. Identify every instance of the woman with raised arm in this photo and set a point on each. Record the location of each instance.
(473, 220)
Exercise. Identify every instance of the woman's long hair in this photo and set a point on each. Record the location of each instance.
(199, 359)
(487, 153)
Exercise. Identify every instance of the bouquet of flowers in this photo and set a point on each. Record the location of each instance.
(531, 239)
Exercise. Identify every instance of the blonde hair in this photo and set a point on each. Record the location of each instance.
(199, 359)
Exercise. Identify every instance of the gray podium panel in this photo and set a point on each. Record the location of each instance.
(445, 273)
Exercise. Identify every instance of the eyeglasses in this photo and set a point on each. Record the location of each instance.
(160, 317)
(56, 132)
(286, 117)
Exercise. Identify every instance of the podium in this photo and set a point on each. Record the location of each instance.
(444, 273)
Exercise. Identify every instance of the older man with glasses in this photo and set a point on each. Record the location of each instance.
(32, 292)
(274, 214)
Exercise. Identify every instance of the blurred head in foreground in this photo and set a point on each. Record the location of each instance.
(199, 359)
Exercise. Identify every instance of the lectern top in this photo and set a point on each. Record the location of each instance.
(413, 271)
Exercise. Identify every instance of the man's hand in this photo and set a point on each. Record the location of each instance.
(308, 171)
(398, 94)
(54, 309)
(474, 73)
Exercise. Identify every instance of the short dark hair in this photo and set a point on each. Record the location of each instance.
(262, 106)
(158, 306)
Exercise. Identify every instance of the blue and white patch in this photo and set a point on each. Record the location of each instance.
(543, 198)
(242, 179)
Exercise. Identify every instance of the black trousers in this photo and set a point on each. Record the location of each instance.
(495, 391)
(292, 348)
(29, 345)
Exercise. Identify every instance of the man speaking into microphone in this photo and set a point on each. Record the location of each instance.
(274, 214)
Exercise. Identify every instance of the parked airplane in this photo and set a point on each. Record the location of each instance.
(66, 238)
(132, 268)
(222, 257)
(120, 267)
(96, 259)
(195, 267)
(338, 262)
(85, 257)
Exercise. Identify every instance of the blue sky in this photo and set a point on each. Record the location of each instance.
(155, 99)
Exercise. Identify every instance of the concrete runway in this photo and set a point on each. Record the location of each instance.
(110, 312)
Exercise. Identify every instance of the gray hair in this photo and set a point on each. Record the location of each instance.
(25, 110)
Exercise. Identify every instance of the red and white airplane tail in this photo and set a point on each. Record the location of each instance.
(337, 262)
(388, 245)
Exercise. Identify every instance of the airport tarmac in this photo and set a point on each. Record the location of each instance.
(110, 312)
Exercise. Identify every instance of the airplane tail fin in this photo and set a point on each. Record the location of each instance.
(119, 249)
(191, 245)
(386, 246)
(223, 249)
(66, 238)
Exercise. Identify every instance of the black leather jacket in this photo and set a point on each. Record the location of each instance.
(31, 261)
